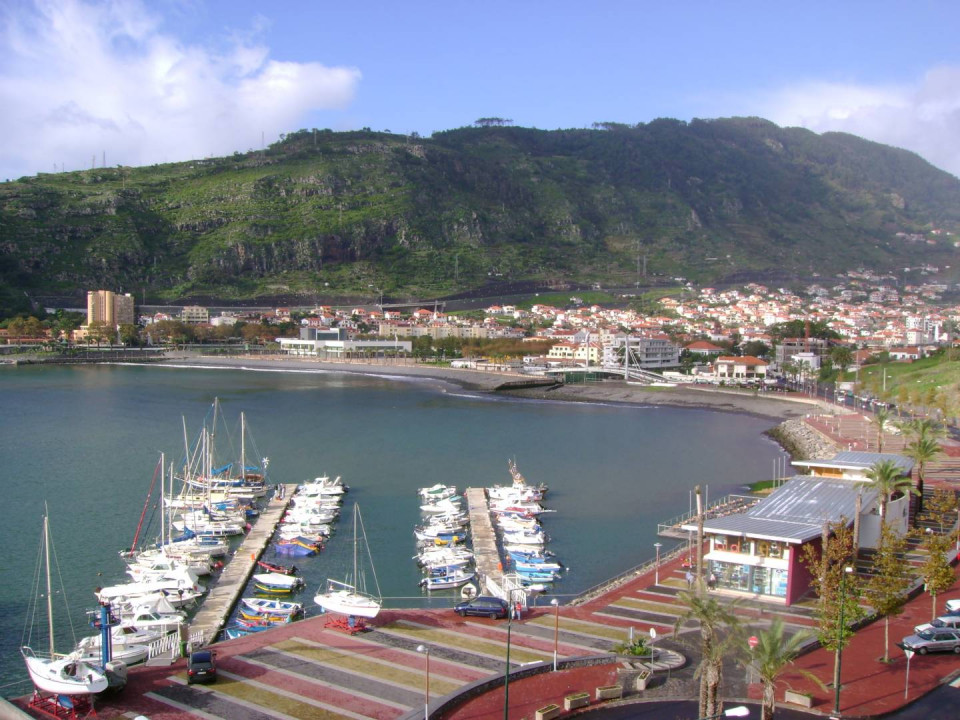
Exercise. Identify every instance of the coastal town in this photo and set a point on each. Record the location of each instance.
(758, 555)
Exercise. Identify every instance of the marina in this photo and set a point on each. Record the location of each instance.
(470, 436)
(215, 611)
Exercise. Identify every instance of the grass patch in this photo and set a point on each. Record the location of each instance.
(582, 627)
(259, 695)
(469, 643)
(634, 603)
(361, 666)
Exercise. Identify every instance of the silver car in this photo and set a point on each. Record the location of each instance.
(949, 622)
(934, 640)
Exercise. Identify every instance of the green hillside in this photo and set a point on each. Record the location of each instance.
(332, 214)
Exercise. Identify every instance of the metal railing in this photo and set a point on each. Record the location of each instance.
(718, 508)
(634, 572)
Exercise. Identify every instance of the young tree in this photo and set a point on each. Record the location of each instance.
(936, 572)
(838, 591)
(772, 658)
(886, 590)
(718, 631)
(942, 508)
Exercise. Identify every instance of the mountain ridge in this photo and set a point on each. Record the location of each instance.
(364, 212)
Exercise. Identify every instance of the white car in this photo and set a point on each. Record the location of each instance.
(950, 622)
(953, 605)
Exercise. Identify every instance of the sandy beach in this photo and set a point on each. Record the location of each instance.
(770, 405)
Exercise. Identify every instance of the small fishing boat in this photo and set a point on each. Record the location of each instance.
(277, 568)
(275, 583)
(272, 607)
(245, 615)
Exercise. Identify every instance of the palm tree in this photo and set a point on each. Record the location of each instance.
(718, 631)
(888, 478)
(881, 419)
(771, 659)
(921, 451)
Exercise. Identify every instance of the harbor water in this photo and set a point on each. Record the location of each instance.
(86, 440)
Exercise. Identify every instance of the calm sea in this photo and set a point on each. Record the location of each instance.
(85, 440)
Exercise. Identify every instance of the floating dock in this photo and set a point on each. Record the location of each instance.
(222, 597)
(486, 556)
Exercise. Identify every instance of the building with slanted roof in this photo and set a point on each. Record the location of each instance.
(759, 552)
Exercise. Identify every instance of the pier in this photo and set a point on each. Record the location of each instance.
(485, 552)
(223, 596)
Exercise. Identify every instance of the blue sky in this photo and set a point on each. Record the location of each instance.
(149, 82)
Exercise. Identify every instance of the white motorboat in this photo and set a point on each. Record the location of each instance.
(447, 577)
(322, 486)
(53, 673)
(448, 505)
(352, 598)
(437, 492)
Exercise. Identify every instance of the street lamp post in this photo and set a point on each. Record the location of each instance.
(426, 690)
(843, 601)
(556, 630)
(656, 571)
(506, 672)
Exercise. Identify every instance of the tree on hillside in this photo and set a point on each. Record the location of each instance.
(772, 658)
(936, 572)
(718, 632)
(842, 357)
(886, 589)
(491, 122)
(888, 478)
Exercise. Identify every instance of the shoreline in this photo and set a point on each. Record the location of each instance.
(786, 413)
(765, 405)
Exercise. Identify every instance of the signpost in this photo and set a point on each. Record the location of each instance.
(906, 684)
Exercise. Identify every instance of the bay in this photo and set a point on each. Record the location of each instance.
(85, 440)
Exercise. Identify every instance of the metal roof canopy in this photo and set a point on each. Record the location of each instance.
(796, 511)
(858, 460)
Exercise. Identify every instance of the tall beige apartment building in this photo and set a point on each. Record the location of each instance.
(109, 308)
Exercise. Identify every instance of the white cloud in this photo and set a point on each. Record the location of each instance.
(78, 78)
(923, 116)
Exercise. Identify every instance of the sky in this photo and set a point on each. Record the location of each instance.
(134, 82)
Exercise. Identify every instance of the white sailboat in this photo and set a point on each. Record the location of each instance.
(351, 597)
(60, 674)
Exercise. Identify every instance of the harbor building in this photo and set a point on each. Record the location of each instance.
(335, 342)
(759, 552)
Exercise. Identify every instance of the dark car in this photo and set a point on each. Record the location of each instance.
(933, 640)
(484, 606)
(201, 667)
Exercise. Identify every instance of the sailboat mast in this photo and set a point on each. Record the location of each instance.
(356, 515)
(243, 447)
(46, 549)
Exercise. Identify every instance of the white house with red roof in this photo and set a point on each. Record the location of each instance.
(704, 347)
(739, 368)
